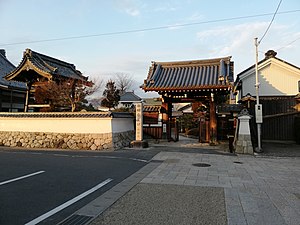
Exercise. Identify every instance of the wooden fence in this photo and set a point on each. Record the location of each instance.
(278, 118)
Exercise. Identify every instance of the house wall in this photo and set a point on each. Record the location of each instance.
(279, 83)
(66, 133)
(57, 125)
(276, 79)
(122, 124)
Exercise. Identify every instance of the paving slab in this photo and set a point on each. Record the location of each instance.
(258, 190)
(167, 204)
(233, 190)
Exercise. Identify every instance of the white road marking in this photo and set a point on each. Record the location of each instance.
(68, 203)
(20, 178)
(117, 157)
(81, 156)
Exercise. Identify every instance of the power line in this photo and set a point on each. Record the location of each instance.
(288, 44)
(270, 22)
(148, 29)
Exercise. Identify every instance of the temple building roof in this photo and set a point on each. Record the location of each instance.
(6, 67)
(44, 66)
(195, 75)
(129, 97)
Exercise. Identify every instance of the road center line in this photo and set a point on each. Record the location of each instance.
(68, 203)
(20, 178)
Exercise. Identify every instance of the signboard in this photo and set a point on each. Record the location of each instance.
(139, 121)
(258, 113)
(164, 128)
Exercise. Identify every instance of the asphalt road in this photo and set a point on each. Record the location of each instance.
(32, 183)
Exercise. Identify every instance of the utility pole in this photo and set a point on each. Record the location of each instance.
(258, 107)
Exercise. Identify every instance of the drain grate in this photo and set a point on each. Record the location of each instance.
(238, 162)
(201, 165)
(76, 219)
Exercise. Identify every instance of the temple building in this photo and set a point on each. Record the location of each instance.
(12, 93)
(36, 68)
(205, 83)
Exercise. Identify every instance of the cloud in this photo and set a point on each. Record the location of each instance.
(165, 8)
(168, 5)
(195, 17)
(130, 7)
(238, 41)
(233, 37)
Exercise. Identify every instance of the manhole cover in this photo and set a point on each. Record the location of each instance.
(201, 165)
(237, 162)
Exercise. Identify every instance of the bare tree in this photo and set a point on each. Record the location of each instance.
(124, 82)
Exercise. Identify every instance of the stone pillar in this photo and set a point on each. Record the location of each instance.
(243, 144)
(139, 142)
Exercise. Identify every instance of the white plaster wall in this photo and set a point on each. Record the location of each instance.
(62, 125)
(248, 86)
(122, 125)
(275, 78)
(280, 79)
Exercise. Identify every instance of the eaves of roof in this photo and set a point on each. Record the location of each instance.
(151, 108)
(192, 89)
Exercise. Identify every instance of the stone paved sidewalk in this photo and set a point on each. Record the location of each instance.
(257, 190)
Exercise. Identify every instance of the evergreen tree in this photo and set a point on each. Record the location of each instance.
(111, 95)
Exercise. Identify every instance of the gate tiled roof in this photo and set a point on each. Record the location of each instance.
(193, 75)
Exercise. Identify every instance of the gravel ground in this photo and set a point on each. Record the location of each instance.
(167, 204)
(281, 149)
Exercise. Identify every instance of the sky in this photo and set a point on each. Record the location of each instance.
(105, 37)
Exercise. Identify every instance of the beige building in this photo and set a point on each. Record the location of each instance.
(279, 84)
(276, 77)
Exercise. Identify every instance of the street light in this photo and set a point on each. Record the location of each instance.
(258, 107)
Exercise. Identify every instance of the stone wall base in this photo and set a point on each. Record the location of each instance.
(244, 144)
(66, 141)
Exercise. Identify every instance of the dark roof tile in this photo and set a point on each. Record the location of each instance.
(67, 115)
(6, 67)
(189, 75)
(129, 97)
(48, 65)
